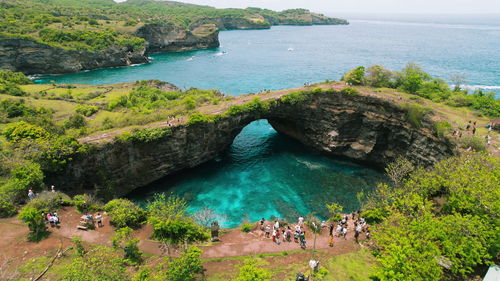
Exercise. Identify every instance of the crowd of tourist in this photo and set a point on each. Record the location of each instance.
(280, 233)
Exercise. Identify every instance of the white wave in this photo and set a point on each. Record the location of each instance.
(439, 25)
(191, 58)
(220, 53)
(484, 87)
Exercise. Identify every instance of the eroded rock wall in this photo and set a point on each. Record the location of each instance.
(363, 128)
(171, 38)
(31, 57)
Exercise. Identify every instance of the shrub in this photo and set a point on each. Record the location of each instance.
(349, 91)
(190, 103)
(50, 201)
(442, 128)
(200, 118)
(377, 76)
(415, 114)
(250, 271)
(246, 227)
(375, 216)
(476, 143)
(7, 207)
(75, 121)
(24, 176)
(36, 223)
(86, 110)
(22, 130)
(295, 97)
(86, 203)
(186, 267)
(145, 135)
(79, 249)
(11, 90)
(355, 76)
(13, 77)
(124, 213)
(99, 263)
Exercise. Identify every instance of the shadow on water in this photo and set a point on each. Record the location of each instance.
(266, 174)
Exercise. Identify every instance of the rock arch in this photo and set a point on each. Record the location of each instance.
(360, 127)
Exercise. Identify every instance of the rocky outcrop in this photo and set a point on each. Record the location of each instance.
(363, 128)
(229, 23)
(31, 57)
(164, 37)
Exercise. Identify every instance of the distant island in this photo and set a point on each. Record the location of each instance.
(51, 36)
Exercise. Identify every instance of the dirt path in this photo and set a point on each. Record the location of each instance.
(233, 243)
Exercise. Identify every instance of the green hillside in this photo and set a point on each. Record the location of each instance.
(93, 25)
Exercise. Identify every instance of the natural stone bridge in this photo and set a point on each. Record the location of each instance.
(363, 127)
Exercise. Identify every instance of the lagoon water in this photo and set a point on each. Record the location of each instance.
(264, 174)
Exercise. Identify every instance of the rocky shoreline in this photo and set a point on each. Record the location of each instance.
(27, 55)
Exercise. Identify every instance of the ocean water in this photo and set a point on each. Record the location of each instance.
(265, 174)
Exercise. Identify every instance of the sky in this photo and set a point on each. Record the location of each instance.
(364, 6)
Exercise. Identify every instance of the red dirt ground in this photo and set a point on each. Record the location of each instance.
(15, 250)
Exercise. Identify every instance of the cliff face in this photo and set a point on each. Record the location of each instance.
(362, 128)
(31, 57)
(170, 38)
(229, 23)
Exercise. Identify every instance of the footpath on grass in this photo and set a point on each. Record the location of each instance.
(233, 242)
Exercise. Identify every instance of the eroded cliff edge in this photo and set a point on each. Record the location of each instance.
(31, 57)
(361, 127)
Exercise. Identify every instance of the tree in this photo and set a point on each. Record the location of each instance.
(99, 264)
(315, 226)
(35, 221)
(123, 240)
(171, 207)
(205, 216)
(335, 210)
(186, 267)
(250, 272)
(171, 225)
(458, 80)
(355, 76)
(399, 169)
(377, 76)
(125, 213)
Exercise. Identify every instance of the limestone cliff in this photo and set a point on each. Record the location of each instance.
(164, 37)
(363, 128)
(31, 57)
(229, 23)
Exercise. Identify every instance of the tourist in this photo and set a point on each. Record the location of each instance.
(344, 232)
(53, 189)
(296, 236)
(488, 140)
(31, 194)
(302, 238)
(339, 229)
(301, 221)
(468, 126)
(276, 225)
(367, 234)
(474, 130)
(278, 236)
(98, 218)
(268, 230)
(262, 220)
(274, 235)
(331, 229)
(357, 230)
(330, 241)
(289, 234)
